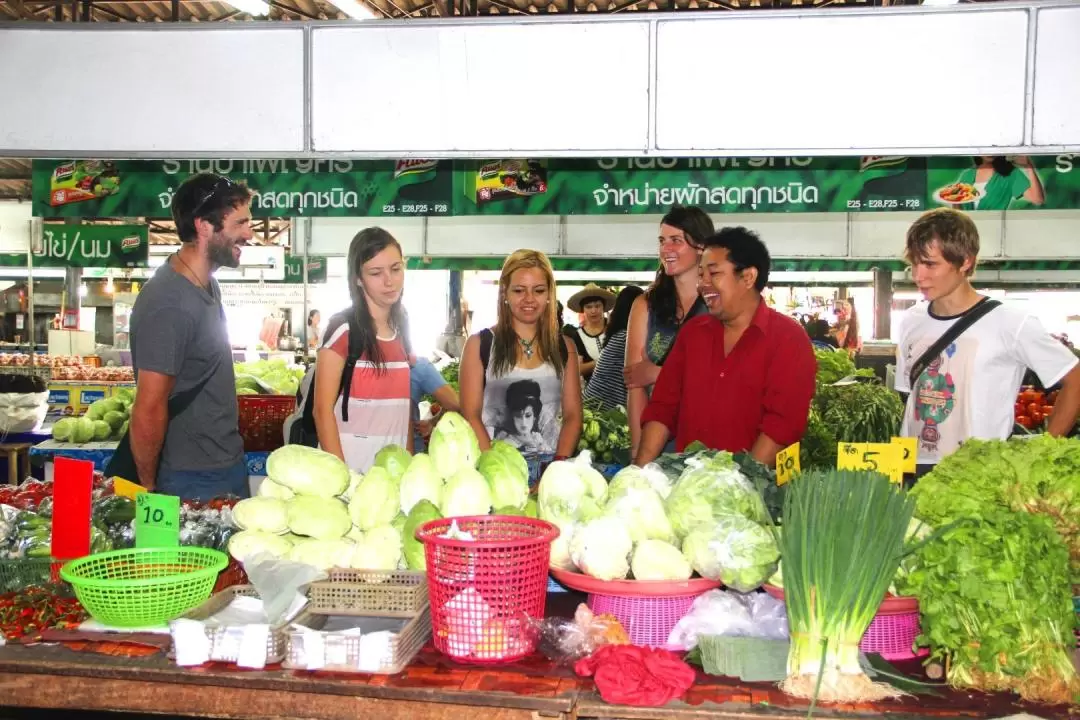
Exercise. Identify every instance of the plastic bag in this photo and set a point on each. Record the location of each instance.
(724, 612)
(278, 582)
(566, 641)
(735, 551)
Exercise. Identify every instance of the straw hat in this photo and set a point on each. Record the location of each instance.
(591, 291)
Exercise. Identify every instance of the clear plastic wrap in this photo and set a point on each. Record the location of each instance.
(723, 612)
(565, 641)
(735, 551)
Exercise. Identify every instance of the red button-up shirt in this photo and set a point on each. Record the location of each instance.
(725, 401)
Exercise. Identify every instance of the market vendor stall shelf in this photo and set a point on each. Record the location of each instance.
(431, 688)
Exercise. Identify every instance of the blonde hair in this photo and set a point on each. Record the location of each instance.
(505, 342)
(955, 232)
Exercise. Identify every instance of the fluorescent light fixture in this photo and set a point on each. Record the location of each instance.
(355, 9)
(254, 8)
(939, 3)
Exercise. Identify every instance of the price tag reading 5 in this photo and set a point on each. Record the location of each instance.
(787, 464)
(157, 520)
(885, 458)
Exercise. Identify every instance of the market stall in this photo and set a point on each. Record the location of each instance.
(440, 562)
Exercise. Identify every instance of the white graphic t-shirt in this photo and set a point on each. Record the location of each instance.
(969, 391)
(524, 408)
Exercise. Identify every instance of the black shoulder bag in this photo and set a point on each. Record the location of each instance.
(949, 337)
(122, 463)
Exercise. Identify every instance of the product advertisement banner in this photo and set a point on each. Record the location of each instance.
(281, 188)
(87, 246)
(590, 186)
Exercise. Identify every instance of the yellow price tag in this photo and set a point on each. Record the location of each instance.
(787, 464)
(123, 488)
(910, 448)
(885, 458)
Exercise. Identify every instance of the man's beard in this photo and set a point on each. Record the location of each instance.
(221, 255)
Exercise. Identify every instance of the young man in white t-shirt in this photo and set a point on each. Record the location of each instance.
(969, 390)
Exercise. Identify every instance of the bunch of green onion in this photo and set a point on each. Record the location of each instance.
(842, 543)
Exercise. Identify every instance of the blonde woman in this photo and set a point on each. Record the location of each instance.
(519, 379)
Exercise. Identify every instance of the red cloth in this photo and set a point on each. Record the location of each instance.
(764, 386)
(631, 675)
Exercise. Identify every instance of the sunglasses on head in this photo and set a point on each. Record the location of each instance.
(221, 184)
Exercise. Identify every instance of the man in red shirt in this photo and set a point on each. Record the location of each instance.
(740, 378)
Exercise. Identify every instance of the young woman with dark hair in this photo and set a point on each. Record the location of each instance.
(670, 301)
(379, 397)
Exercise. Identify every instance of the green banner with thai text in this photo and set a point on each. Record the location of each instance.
(581, 186)
(64, 245)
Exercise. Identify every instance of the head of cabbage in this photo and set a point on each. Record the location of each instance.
(421, 481)
(507, 478)
(714, 490)
(394, 459)
(320, 518)
(375, 500)
(735, 551)
(308, 471)
(262, 513)
(453, 445)
(466, 493)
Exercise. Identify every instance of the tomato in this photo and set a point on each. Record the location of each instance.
(1047, 410)
(1037, 418)
(1019, 409)
(1024, 421)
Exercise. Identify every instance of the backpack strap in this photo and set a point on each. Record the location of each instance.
(486, 338)
(350, 365)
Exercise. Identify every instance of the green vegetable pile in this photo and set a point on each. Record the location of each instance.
(1038, 475)
(835, 365)
(996, 607)
(312, 509)
(694, 513)
(267, 377)
(861, 412)
(606, 434)
(994, 583)
(104, 420)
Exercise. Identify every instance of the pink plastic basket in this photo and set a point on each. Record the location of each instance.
(892, 636)
(484, 591)
(647, 620)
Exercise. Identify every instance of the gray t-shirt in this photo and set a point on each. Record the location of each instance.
(178, 329)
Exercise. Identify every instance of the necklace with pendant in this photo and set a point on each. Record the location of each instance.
(527, 347)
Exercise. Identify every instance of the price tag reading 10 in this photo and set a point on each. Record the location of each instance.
(787, 464)
(157, 520)
(885, 458)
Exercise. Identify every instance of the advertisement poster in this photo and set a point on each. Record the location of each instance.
(281, 188)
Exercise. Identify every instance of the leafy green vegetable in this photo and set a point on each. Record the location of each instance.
(995, 601)
(835, 365)
(862, 412)
(1038, 475)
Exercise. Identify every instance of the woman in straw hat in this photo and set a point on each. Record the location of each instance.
(594, 302)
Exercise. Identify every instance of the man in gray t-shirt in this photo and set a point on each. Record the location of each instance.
(181, 352)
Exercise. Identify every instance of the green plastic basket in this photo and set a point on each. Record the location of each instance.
(144, 587)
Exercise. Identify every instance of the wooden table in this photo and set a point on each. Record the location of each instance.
(431, 689)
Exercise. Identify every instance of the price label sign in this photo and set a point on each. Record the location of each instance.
(885, 458)
(787, 464)
(157, 520)
(910, 448)
(123, 488)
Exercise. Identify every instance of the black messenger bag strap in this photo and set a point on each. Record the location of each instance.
(949, 337)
